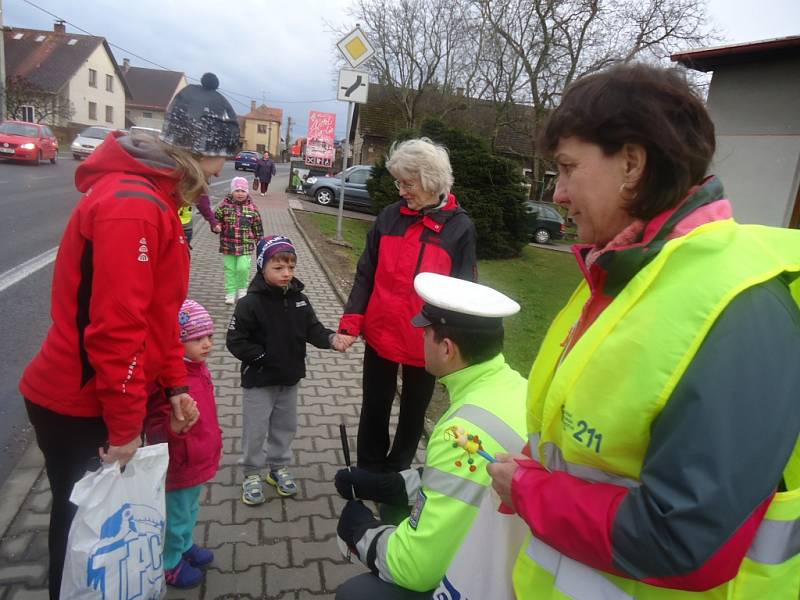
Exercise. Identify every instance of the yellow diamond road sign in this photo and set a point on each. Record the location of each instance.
(355, 47)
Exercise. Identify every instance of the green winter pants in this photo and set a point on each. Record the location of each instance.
(237, 272)
(182, 507)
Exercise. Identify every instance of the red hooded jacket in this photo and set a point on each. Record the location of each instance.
(121, 274)
(194, 455)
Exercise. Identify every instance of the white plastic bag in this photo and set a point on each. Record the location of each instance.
(115, 545)
(481, 569)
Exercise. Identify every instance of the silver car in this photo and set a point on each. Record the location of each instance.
(325, 190)
(87, 140)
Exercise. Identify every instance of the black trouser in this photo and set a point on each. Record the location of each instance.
(68, 444)
(379, 387)
(264, 183)
(188, 231)
(368, 587)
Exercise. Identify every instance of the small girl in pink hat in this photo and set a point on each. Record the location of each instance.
(194, 452)
(241, 229)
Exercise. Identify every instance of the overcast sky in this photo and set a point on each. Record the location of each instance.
(283, 52)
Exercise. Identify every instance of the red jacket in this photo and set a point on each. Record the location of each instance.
(121, 274)
(402, 243)
(194, 455)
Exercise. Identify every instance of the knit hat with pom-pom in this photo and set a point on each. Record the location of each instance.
(199, 119)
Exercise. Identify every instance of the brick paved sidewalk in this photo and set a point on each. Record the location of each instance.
(283, 549)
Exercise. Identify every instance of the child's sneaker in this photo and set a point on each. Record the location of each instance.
(230, 298)
(253, 490)
(241, 293)
(183, 576)
(198, 557)
(282, 481)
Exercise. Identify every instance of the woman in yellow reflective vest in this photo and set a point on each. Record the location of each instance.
(664, 403)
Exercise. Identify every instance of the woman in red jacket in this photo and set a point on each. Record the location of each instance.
(121, 274)
(426, 231)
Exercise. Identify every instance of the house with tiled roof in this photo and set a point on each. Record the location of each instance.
(151, 92)
(508, 129)
(63, 79)
(753, 101)
(261, 129)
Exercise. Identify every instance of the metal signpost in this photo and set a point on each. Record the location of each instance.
(352, 88)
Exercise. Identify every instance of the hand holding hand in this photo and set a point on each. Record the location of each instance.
(217, 228)
(340, 342)
(345, 341)
(502, 473)
(184, 413)
(121, 453)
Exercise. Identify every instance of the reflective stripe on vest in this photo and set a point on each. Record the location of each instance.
(554, 460)
(775, 542)
(453, 486)
(500, 431)
(572, 578)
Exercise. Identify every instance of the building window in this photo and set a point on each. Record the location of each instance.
(92, 78)
(93, 111)
(262, 128)
(261, 148)
(109, 114)
(147, 114)
(109, 83)
(27, 114)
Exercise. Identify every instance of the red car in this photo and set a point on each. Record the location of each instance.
(30, 142)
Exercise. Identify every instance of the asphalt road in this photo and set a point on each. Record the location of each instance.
(36, 203)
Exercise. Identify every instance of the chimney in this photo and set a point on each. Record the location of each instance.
(252, 105)
(60, 26)
(126, 63)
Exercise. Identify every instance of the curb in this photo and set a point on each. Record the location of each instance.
(19, 483)
(318, 256)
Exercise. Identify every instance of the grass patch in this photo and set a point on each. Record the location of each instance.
(541, 281)
(354, 232)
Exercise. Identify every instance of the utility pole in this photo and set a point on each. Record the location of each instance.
(288, 134)
(2, 67)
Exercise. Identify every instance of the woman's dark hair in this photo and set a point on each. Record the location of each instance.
(640, 104)
(476, 346)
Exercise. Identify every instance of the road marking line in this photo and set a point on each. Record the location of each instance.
(29, 267)
(46, 177)
(216, 183)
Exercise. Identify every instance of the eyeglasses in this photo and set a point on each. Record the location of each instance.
(409, 186)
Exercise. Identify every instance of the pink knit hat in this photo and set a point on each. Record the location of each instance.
(239, 183)
(194, 321)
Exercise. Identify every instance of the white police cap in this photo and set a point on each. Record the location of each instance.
(460, 303)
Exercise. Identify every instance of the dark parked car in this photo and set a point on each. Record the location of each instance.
(325, 190)
(245, 160)
(544, 222)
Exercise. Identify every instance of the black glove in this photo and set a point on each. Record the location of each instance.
(354, 521)
(388, 488)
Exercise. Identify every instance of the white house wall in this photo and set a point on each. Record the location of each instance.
(155, 121)
(80, 93)
(757, 122)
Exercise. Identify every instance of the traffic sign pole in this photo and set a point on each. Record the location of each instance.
(345, 154)
(353, 86)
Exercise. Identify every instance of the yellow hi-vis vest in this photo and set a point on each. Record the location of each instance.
(185, 214)
(590, 412)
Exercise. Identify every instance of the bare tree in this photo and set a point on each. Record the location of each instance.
(557, 41)
(47, 107)
(420, 48)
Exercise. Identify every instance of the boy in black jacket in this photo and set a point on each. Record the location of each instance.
(268, 333)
